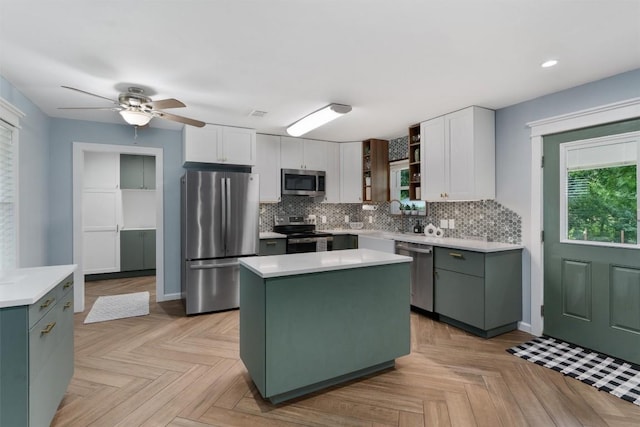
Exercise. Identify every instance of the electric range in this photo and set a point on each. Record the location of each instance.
(302, 235)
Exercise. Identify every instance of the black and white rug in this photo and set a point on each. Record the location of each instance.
(615, 376)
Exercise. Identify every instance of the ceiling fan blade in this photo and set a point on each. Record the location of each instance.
(166, 103)
(180, 119)
(90, 108)
(89, 93)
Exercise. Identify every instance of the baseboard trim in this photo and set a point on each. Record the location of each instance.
(524, 327)
(169, 297)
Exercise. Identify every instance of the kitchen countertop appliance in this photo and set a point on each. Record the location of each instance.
(302, 235)
(421, 273)
(219, 224)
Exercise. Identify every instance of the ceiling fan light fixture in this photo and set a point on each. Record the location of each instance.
(317, 119)
(136, 117)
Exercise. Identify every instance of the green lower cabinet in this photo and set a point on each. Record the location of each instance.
(344, 241)
(273, 247)
(479, 292)
(36, 357)
(137, 250)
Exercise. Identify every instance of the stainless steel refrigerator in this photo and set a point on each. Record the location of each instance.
(219, 224)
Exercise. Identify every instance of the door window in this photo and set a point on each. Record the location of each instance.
(599, 191)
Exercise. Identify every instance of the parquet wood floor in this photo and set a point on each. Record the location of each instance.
(166, 369)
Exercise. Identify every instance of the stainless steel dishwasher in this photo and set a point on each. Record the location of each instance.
(421, 273)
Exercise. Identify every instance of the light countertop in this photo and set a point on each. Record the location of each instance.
(272, 235)
(444, 242)
(25, 286)
(316, 262)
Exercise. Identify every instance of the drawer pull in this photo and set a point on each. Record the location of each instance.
(271, 243)
(48, 328)
(47, 303)
(456, 255)
(67, 305)
(67, 285)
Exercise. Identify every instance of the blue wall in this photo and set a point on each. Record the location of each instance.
(62, 135)
(33, 171)
(513, 147)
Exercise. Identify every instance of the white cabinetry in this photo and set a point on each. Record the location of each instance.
(458, 156)
(219, 144)
(332, 182)
(268, 167)
(298, 153)
(351, 172)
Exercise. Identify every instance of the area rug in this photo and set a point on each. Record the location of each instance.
(118, 307)
(615, 376)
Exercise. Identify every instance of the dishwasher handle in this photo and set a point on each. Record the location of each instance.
(413, 249)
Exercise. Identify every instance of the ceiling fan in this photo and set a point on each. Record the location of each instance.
(138, 109)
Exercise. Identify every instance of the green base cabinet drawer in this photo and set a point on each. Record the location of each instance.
(272, 247)
(478, 292)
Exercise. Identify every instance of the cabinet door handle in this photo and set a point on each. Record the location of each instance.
(67, 285)
(271, 243)
(47, 303)
(67, 305)
(456, 255)
(48, 328)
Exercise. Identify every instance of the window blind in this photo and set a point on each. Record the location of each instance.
(7, 199)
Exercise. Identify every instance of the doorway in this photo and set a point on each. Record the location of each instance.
(79, 150)
(591, 251)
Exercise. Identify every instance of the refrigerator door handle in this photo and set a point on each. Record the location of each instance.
(210, 266)
(227, 223)
(224, 197)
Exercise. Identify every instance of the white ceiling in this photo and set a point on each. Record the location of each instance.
(397, 62)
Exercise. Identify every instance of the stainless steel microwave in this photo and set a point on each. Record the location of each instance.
(302, 182)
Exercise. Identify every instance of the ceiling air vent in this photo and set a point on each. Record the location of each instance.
(257, 113)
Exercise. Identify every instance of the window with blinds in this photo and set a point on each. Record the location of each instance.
(7, 198)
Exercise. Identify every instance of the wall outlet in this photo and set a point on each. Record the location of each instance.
(369, 207)
(370, 219)
(452, 224)
(346, 219)
(312, 218)
(323, 219)
(444, 223)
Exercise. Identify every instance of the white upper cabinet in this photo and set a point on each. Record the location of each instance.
(458, 156)
(332, 182)
(268, 167)
(299, 153)
(351, 172)
(219, 144)
(101, 170)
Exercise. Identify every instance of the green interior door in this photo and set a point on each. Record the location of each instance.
(591, 280)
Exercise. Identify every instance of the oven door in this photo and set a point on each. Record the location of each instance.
(309, 244)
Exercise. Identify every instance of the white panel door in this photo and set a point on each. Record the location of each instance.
(315, 155)
(432, 146)
(268, 167)
(332, 180)
(200, 145)
(238, 146)
(460, 166)
(101, 237)
(101, 170)
(351, 172)
(291, 153)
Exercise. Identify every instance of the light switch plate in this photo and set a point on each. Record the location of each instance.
(444, 223)
(370, 219)
(346, 218)
(452, 224)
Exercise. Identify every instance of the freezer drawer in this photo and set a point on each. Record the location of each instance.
(212, 285)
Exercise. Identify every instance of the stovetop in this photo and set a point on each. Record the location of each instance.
(296, 226)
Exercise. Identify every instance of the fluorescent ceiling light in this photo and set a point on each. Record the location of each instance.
(317, 119)
(549, 63)
(136, 117)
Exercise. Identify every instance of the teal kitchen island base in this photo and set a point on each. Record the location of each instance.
(309, 321)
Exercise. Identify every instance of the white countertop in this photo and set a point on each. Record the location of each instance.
(316, 262)
(445, 242)
(272, 235)
(25, 286)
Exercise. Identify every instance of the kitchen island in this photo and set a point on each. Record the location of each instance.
(312, 320)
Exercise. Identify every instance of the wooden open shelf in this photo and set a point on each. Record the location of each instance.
(375, 170)
(414, 162)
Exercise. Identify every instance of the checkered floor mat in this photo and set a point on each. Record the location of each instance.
(615, 376)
